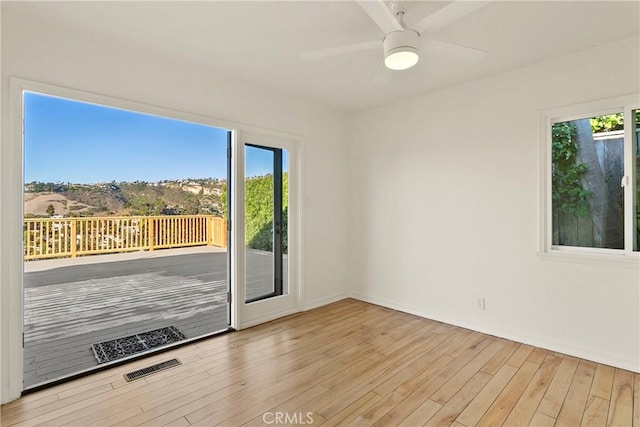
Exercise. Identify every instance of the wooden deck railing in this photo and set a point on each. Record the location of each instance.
(71, 237)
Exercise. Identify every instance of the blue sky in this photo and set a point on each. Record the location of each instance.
(69, 141)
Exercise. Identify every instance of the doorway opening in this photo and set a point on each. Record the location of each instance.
(126, 245)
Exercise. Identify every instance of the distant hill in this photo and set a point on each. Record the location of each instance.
(178, 197)
(36, 204)
(171, 197)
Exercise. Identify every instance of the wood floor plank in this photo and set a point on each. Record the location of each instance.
(414, 369)
(554, 397)
(451, 387)
(27, 415)
(500, 409)
(201, 406)
(348, 363)
(454, 406)
(520, 356)
(227, 383)
(526, 407)
(351, 389)
(418, 388)
(424, 412)
(538, 355)
(542, 420)
(621, 406)
(602, 382)
(411, 394)
(272, 393)
(422, 329)
(180, 422)
(378, 410)
(228, 380)
(636, 400)
(353, 410)
(595, 413)
(441, 353)
(287, 407)
(485, 398)
(125, 402)
(117, 416)
(493, 365)
(61, 412)
(574, 404)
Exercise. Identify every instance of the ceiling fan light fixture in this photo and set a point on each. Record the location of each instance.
(400, 51)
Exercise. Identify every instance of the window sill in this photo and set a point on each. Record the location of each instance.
(599, 259)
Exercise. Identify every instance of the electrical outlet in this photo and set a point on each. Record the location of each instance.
(480, 303)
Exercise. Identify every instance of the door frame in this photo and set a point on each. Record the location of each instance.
(264, 310)
(11, 212)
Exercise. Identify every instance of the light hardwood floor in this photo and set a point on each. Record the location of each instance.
(348, 363)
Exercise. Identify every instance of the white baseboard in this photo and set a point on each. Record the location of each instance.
(594, 355)
(263, 319)
(310, 305)
(304, 307)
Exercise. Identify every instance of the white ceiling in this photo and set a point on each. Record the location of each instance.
(259, 43)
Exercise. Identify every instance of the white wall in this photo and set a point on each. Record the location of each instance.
(442, 195)
(37, 51)
(444, 208)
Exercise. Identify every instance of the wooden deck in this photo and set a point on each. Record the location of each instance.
(62, 321)
(70, 308)
(348, 363)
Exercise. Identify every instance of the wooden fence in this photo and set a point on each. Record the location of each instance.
(71, 237)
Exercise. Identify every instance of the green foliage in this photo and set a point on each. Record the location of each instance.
(259, 212)
(607, 123)
(170, 197)
(568, 195)
(51, 210)
(223, 201)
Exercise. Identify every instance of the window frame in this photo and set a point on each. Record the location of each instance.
(627, 256)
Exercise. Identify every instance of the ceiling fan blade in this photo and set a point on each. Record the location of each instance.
(451, 50)
(382, 76)
(448, 14)
(340, 50)
(381, 15)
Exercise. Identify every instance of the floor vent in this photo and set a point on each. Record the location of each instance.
(151, 369)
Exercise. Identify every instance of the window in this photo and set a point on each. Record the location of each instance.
(592, 203)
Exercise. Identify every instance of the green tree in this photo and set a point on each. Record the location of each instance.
(607, 123)
(259, 212)
(51, 210)
(223, 201)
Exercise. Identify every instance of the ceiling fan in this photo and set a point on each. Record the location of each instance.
(403, 45)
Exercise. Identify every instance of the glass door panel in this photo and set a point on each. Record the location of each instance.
(266, 200)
